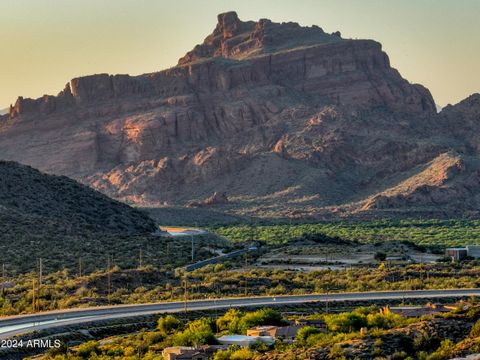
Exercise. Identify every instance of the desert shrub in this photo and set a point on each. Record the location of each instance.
(475, 331)
(444, 352)
(346, 322)
(384, 320)
(86, 350)
(168, 324)
(234, 354)
(305, 332)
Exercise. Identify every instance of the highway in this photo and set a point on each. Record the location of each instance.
(20, 324)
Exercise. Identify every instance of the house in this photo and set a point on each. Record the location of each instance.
(456, 254)
(187, 353)
(284, 332)
(244, 340)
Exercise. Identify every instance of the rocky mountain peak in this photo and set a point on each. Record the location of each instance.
(228, 24)
(277, 115)
(470, 105)
(233, 38)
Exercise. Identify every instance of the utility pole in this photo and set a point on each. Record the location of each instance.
(245, 274)
(33, 296)
(40, 280)
(185, 294)
(80, 267)
(40, 272)
(193, 248)
(4, 279)
(108, 278)
(141, 258)
(326, 300)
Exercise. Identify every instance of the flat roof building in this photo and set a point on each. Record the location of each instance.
(188, 353)
(284, 332)
(456, 254)
(473, 251)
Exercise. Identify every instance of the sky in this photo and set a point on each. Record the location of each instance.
(48, 42)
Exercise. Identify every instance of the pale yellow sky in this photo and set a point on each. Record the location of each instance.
(47, 42)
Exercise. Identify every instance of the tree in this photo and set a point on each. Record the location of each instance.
(260, 317)
(198, 332)
(229, 321)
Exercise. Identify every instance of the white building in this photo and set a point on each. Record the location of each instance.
(244, 340)
(473, 251)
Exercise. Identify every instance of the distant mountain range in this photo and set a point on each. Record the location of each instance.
(286, 121)
(4, 111)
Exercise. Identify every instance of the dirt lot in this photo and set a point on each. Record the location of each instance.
(312, 257)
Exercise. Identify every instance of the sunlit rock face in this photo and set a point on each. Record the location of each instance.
(283, 119)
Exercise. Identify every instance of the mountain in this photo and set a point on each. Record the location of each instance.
(283, 120)
(28, 192)
(60, 220)
(4, 111)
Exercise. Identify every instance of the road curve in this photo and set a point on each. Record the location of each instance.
(20, 324)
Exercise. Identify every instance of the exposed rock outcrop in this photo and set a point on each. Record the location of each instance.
(216, 199)
(281, 117)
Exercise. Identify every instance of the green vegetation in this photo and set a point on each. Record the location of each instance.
(420, 232)
(234, 354)
(198, 332)
(89, 252)
(151, 284)
(364, 333)
(237, 322)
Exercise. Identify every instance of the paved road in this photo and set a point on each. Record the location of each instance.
(14, 325)
(179, 231)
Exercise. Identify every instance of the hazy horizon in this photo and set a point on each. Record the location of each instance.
(431, 42)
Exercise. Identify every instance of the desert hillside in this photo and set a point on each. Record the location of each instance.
(62, 221)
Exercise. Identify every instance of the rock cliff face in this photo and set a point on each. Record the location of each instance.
(281, 118)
